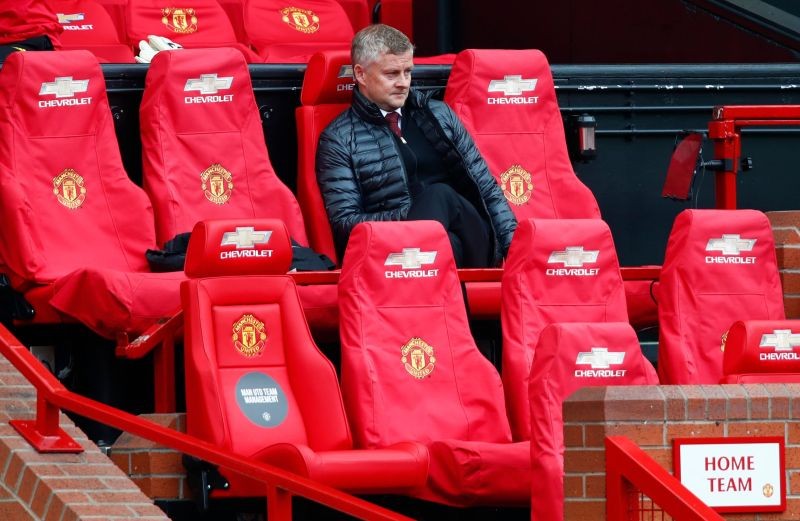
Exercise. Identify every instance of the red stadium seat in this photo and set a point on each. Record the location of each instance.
(292, 32)
(203, 150)
(71, 216)
(507, 101)
(327, 89)
(411, 369)
(358, 12)
(570, 356)
(719, 267)
(762, 351)
(117, 10)
(256, 384)
(557, 270)
(204, 155)
(235, 11)
(201, 24)
(88, 25)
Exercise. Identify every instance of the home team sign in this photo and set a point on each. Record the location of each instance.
(733, 474)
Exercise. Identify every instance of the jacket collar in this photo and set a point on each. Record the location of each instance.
(368, 111)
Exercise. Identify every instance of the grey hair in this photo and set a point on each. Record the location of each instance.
(373, 40)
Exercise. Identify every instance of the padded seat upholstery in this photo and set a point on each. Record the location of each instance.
(284, 32)
(570, 356)
(557, 270)
(256, 384)
(200, 24)
(88, 25)
(762, 351)
(71, 216)
(411, 369)
(719, 267)
(203, 150)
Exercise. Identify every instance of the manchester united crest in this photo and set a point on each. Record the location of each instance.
(217, 184)
(418, 358)
(68, 188)
(249, 335)
(516, 185)
(180, 20)
(301, 20)
(768, 490)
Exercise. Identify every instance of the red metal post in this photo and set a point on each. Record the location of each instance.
(279, 504)
(164, 376)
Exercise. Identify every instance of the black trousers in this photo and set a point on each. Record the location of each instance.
(469, 233)
(37, 43)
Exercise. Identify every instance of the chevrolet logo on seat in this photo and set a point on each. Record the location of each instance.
(345, 71)
(730, 245)
(783, 341)
(208, 84)
(64, 18)
(245, 237)
(573, 258)
(600, 359)
(63, 87)
(411, 259)
(513, 85)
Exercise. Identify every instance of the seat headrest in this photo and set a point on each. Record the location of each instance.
(238, 247)
(201, 90)
(500, 91)
(328, 79)
(735, 246)
(762, 346)
(567, 260)
(401, 263)
(54, 93)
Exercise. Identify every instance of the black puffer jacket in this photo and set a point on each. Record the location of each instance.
(362, 178)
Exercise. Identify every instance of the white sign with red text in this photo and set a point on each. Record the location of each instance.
(734, 474)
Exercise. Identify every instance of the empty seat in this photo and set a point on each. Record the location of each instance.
(762, 351)
(235, 11)
(570, 356)
(88, 25)
(202, 24)
(256, 384)
(203, 149)
(557, 270)
(292, 33)
(507, 101)
(411, 369)
(358, 12)
(327, 90)
(719, 267)
(71, 216)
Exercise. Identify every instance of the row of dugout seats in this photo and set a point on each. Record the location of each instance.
(80, 228)
(262, 30)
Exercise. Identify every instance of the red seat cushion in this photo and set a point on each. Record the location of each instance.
(88, 25)
(75, 214)
(292, 32)
(249, 358)
(719, 267)
(762, 351)
(203, 149)
(507, 101)
(570, 356)
(557, 270)
(202, 23)
(407, 353)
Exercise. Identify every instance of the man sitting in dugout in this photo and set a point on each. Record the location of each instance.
(396, 154)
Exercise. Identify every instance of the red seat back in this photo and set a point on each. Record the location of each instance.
(327, 90)
(88, 25)
(358, 12)
(762, 351)
(249, 353)
(66, 201)
(203, 149)
(568, 357)
(410, 367)
(719, 267)
(507, 101)
(557, 270)
(202, 23)
(293, 32)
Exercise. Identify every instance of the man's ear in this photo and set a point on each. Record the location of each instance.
(358, 73)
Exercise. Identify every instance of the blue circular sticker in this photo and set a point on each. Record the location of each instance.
(261, 399)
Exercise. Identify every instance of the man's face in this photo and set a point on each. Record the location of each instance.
(386, 81)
